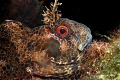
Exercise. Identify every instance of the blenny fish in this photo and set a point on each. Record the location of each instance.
(53, 50)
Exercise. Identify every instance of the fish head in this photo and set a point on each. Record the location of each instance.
(58, 51)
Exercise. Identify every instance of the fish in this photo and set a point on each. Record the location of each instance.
(53, 50)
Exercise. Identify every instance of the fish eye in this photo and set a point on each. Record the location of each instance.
(62, 31)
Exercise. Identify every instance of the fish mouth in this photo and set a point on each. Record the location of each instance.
(67, 69)
(62, 63)
(53, 76)
(61, 75)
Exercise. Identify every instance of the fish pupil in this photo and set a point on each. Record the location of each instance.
(62, 31)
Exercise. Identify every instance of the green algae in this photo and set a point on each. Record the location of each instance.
(110, 62)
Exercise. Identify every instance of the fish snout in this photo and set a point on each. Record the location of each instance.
(82, 46)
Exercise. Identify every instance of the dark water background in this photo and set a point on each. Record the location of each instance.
(99, 15)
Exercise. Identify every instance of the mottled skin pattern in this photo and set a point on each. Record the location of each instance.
(40, 50)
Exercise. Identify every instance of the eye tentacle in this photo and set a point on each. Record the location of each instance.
(53, 15)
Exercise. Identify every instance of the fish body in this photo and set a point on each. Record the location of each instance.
(53, 50)
(49, 54)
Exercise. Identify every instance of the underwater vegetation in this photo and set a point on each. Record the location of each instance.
(60, 49)
(106, 65)
(110, 62)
